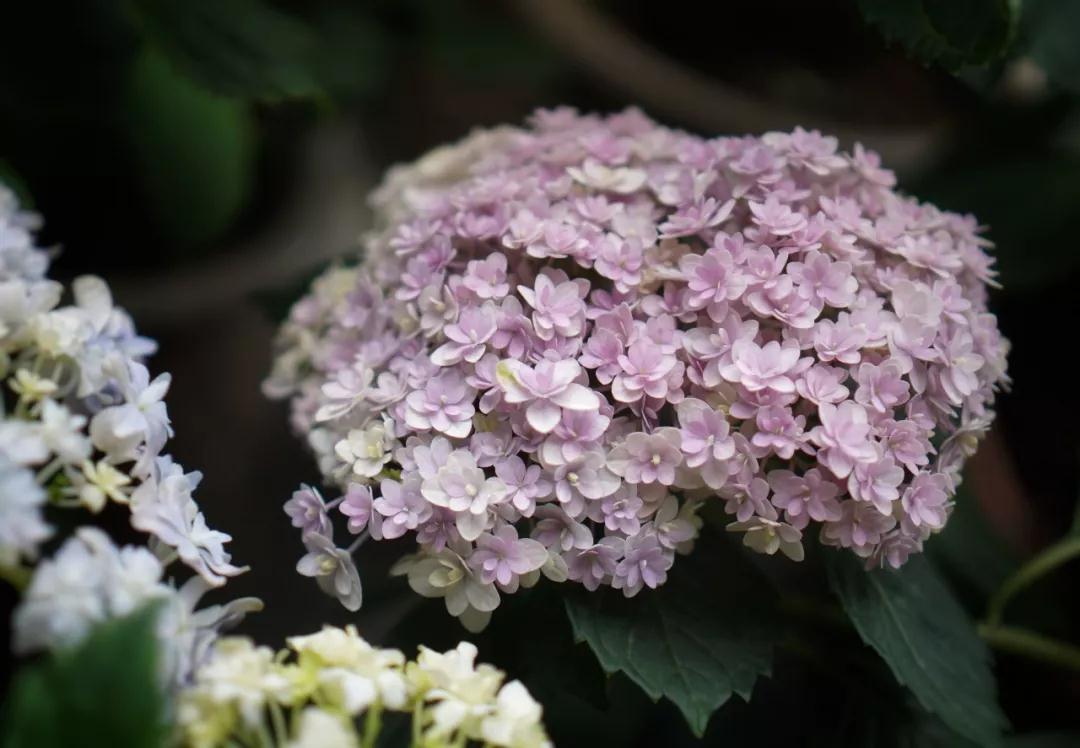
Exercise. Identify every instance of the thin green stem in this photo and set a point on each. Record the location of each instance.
(277, 720)
(1046, 561)
(372, 725)
(1032, 645)
(418, 724)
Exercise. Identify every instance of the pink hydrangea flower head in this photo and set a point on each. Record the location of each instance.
(579, 331)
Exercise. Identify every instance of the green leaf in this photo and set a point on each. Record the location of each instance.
(912, 620)
(704, 635)
(949, 33)
(1049, 35)
(104, 693)
(250, 49)
(195, 150)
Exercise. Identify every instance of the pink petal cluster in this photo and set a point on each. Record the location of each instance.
(580, 332)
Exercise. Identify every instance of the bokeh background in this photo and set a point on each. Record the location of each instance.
(208, 158)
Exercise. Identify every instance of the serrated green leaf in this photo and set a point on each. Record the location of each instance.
(705, 635)
(949, 33)
(912, 620)
(104, 693)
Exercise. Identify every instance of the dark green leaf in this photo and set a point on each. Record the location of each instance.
(949, 33)
(243, 48)
(706, 634)
(251, 49)
(912, 620)
(104, 693)
(1050, 32)
(195, 151)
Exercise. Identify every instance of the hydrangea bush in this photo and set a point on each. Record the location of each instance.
(563, 340)
(83, 425)
(327, 682)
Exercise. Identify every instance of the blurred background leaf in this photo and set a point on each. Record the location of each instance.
(195, 151)
(949, 33)
(104, 693)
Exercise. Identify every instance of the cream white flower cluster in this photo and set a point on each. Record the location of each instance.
(83, 425)
(332, 689)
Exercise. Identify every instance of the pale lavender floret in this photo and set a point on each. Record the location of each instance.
(925, 501)
(839, 341)
(645, 563)
(775, 217)
(445, 405)
(860, 528)
(601, 353)
(577, 433)
(620, 511)
(645, 371)
(502, 556)
(906, 442)
(307, 511)
(844, 437)
(745, 500)
(486, 277)
(523, 482)
(547, 388)
(780, 432)
(823, 384)
(580, 481)
(706, 441)
(881, 387)
(770, 366)
(558, 309)
(402, 506)
(711, 278)
(620, 261)
(824, 280)
(467, 337)
(596, 564)
(334, 570)
(877, 483)
(356, 504)
(784, 301)
(648, 458)
(557, 530)
(804, 497)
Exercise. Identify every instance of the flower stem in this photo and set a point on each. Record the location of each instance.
(418, 724)
(372, 725)
(1031, 644)
(277, 719)
(1046, 561)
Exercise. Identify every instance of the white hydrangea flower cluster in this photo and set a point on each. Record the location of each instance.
(84, 425)
(331, 689)
(565, 339)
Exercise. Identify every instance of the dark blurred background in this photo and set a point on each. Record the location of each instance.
(207, 158)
